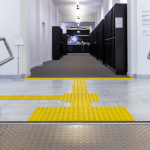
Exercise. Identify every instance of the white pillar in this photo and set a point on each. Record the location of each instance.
(25, 33)
(132, 38)
(50, 31)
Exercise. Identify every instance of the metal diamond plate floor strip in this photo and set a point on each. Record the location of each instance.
(74, 137)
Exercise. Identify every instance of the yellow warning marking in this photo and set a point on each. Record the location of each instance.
(79, 78)
(81, 109)
(30, 97)
(80, 98)
(81, 114)
(79, 86)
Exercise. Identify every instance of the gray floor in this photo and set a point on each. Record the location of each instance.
(133, 94)
(75, 137)
(73, 65)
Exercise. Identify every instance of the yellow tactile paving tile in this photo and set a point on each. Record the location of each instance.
(79, 78)
(81, 104)
(80, 97)
(79, 86)
(81, 114)
(30, 97)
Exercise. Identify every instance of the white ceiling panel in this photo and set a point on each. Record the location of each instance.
(68, 7)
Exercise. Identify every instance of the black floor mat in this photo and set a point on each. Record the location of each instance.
(73, 65)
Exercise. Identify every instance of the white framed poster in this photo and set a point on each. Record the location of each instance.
(119, 22)
(18, 41)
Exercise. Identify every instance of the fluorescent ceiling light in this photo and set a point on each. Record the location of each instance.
(77, 2)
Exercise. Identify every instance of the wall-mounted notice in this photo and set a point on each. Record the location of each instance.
(19, 41)
(119, 22)
(145, 22)
(143, 36)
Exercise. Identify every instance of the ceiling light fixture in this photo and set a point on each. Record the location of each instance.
(78, 9)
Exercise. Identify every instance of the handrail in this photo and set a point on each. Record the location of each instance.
(9, 51)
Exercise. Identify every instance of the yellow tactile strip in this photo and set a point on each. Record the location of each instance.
(81, 108)
(80, 98)
(79, 78)
(81, 114)
(79, 86)
(30, 97)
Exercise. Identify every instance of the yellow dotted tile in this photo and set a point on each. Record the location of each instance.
(81, 114)
(79, 97)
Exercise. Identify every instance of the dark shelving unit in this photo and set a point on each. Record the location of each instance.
(95, 45)
(57, 43)
(116, 40)
(65, 51)
(101, 42)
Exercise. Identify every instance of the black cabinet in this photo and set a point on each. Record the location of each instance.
(95, 42)
(65, 44)
(116, 39)
(91, 43)
(101, 42)
(59, 43)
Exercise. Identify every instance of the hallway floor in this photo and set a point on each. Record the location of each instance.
(133, 94)
(73, 65)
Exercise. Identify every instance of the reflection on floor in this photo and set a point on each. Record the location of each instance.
(132, 94)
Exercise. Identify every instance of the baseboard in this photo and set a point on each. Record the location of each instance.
(131, 75)
(143, 76)
(26, 75)
(138, 76)
(10, 76)
(40, 64)
(15, 76)
(48, 60)
(33, 66)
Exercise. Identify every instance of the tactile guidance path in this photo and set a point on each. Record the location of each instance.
(75, 137)
(81, 108)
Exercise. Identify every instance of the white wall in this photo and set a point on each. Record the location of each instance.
(9, 27)
(49, 17)
(30, 16)
(33, 34)
(138, 45)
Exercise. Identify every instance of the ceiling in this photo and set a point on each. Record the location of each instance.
(68, 7)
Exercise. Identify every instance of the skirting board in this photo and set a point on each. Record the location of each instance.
(138, 76)
(10, 76)
(33, 66)
(131, 75)
(15, 76)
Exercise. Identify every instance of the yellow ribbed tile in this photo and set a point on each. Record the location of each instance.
(30, 97)
(81, 114)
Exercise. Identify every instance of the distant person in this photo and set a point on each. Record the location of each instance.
(82, 47)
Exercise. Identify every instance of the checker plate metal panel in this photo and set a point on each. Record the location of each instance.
(75, 137)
